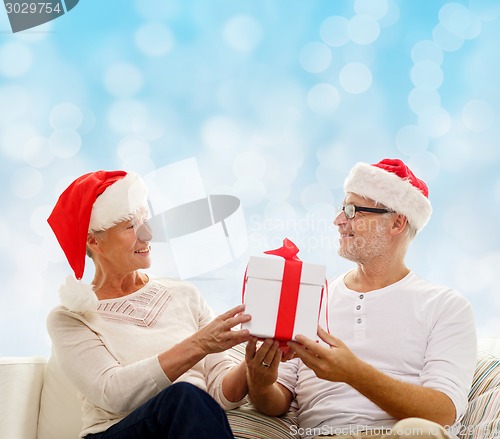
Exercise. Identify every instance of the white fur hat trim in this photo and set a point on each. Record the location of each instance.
(119, 202)
(391, 191)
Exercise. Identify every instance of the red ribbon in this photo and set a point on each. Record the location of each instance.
(290, 286)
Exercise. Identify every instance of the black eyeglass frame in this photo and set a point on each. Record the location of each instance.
(362, 209)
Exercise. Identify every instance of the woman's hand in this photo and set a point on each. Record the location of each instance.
(218, 335)
(262, 363)
(262, 372)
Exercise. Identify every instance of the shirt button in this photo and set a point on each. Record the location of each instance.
(358, 307)
(359, 320)
(361, 296)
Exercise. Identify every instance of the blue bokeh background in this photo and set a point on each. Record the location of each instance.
(276, 100)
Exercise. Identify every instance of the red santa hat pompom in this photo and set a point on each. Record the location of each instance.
(93, 202)
(391, 183)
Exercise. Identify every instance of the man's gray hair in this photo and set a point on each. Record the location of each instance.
(411, 230)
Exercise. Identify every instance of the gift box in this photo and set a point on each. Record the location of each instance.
(283, 294)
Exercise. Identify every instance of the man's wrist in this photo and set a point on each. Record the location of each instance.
(359, 371)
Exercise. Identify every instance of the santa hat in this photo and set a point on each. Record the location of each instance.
(93, 202)
(392, 184)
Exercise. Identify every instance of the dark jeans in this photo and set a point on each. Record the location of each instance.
(177, 412)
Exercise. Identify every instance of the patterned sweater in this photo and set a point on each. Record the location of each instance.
(111, 355)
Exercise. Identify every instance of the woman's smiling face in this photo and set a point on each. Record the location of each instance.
(125, 246)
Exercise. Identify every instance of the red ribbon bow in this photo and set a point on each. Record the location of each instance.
(288, 251)
(290, 286)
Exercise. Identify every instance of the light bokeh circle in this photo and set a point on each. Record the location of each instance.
(355, 78)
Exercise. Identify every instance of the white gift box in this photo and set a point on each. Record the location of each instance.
(264, 281)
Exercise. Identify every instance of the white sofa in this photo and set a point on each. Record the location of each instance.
(38, 402)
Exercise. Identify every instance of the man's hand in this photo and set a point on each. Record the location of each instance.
(333, 363)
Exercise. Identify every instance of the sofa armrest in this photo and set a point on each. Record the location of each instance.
(21, 381)
(490, 345)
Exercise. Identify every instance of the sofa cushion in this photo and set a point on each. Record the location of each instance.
(482, 418)
(247, 423)
(60, 412)
(21, 381)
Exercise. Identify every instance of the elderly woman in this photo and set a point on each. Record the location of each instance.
(146, 355)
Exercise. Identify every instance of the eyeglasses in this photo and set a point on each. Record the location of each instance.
(350, 210)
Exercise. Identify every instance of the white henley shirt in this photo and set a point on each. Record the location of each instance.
(413, 331)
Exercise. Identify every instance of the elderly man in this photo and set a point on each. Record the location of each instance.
(401, 354)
